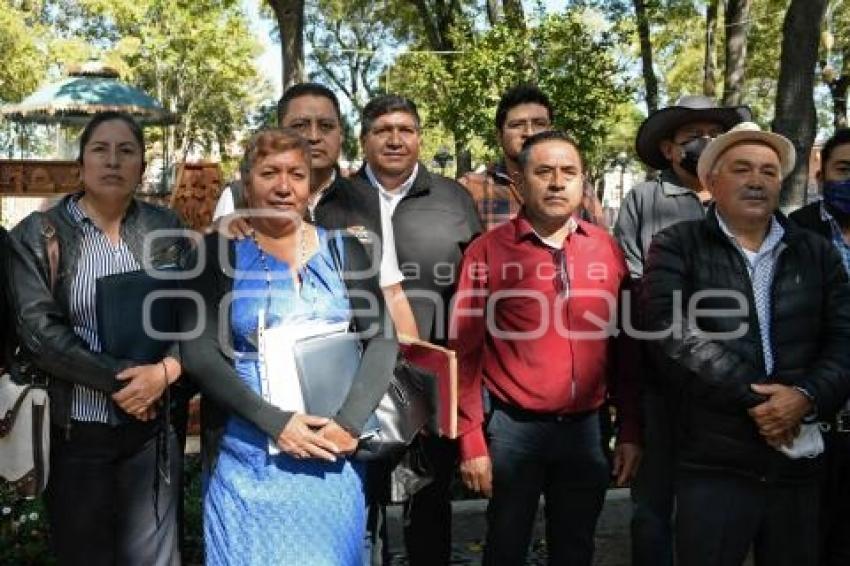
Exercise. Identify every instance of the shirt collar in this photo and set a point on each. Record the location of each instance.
(314, 199)
(773, 238)
(825, 214)
(834, 226)
(75, 210)
(401, 191)
(499, 171)
(525, 230)
(672, 186)
(79, 216)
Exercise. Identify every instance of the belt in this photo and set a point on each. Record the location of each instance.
(527, 415)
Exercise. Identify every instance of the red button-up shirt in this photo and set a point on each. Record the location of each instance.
(533, 345)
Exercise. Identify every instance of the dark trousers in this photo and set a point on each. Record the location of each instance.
(428, 512)
(107, 503)
(559, 459)
(653, 488)
(720, 516)
(835, 498)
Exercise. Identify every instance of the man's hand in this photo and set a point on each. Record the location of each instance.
(145, 387)
(626, 462)
(232, 226)
(299, 440)
(477, 475)
(778, 418)
(346, 443)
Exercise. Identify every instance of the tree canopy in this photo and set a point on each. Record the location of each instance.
(195, 57)
(603, 62)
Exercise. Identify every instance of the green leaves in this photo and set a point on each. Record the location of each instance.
(195, 57)
(23, 53)
(570, 56)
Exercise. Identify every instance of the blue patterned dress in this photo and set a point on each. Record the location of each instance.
(276, 510)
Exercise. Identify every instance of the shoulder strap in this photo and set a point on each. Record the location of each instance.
(51, 244)
(335, 245)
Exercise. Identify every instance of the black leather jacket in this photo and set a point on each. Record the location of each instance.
(41, 317)
(810, 331)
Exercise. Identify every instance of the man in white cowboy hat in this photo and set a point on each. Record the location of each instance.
(670, 140)
(753, 322)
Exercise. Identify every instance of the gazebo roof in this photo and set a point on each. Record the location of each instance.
(87, 90)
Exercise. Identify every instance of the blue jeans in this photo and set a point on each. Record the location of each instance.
(560, 459)
(653, 487)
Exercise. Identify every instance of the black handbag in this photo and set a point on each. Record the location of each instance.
(326, 367)
(25, 408)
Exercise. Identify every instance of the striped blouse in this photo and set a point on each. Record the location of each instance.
(98, 258)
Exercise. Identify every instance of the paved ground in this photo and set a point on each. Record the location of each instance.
(612, 537)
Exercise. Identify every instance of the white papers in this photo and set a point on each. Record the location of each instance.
(279, 382)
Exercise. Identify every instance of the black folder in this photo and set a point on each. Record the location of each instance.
(120, 303)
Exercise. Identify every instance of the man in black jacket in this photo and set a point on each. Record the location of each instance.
(759, 352)
(427, 220)
(311, 109)
(830, 218)
(671, 140)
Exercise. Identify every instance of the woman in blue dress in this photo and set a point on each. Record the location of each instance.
(304, 505)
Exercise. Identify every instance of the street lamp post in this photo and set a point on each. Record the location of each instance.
(622, 161)
(442, 158)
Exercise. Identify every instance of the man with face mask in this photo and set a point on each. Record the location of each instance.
(830, 217)
(671, 140)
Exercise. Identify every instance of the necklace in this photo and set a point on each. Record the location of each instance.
(301, 261)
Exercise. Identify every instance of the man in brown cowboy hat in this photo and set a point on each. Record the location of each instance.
(670, 140)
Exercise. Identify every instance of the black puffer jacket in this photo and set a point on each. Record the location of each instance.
(810, 327)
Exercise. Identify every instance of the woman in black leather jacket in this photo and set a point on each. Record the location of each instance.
(109, 499)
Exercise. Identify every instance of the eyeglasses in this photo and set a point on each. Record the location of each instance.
(562, 275)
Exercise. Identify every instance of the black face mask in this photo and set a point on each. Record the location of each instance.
(691, 152)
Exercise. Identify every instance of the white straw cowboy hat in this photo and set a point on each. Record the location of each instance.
(662, 124)
(746, 132)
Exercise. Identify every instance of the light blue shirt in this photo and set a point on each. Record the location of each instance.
(761, 266)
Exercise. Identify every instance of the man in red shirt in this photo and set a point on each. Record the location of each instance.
(533, 322)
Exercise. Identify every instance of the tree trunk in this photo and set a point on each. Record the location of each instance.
(437, 19)
(494, 12)
(795, 106)
(514, 14)
(290, 22)
(737, 24)
(463, 159)
(709, 84)
(838, 91)
(649, 78)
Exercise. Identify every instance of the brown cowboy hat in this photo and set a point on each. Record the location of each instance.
(662, 124)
